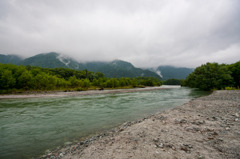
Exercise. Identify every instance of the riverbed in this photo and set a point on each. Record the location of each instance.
(203, 128)
(30, 127)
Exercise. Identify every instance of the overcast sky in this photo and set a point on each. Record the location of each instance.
(147, 33)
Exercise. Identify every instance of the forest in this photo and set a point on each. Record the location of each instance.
(21, 78)
(173, 82)
(213, 76)
(13, 79)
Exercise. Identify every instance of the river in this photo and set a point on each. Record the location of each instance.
(31, 126)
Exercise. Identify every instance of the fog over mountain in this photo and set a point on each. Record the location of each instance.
(147, 33)
(115, 68)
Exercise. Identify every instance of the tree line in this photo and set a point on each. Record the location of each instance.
(211, 76)
(24, 78)
(173, 81)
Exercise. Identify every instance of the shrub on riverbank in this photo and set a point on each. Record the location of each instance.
(173, 82)
(212, 76)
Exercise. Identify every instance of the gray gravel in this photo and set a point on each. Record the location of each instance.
(204, 128)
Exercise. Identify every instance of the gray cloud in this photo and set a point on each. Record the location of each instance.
(145, 32)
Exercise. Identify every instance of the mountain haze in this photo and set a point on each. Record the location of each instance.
(119, 68)
(171, 72)
(116, 68)
(51, 60)
(13, 59)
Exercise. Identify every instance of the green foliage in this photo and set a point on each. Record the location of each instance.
(6, 79)
(25, 80)
(235, 73)
(134, 83)
(112, 83)
(86, 83)
(74, 82)
(231, 88)
(22, 78)
(173, 82)
(149, 81)
(81, 89)
(209, 77)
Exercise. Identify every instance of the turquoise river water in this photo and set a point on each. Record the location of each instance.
(30, 126)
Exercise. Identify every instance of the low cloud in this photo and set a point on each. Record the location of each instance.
(147, 33)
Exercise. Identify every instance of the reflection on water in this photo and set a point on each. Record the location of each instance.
(30, 126)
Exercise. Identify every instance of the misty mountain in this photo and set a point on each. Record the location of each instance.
(170, 72)
(13, 59)
(119, 68)
(52, 60)
(116, 68)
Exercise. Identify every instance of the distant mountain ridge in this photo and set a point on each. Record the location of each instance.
(52, 60)
(116, 68)
(13, 59)
(171, 72)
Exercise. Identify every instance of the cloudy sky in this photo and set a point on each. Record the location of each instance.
(147, 33)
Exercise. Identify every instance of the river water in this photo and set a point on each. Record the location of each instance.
(29, 127)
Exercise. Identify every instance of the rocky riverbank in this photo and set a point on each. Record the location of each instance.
(204, 128)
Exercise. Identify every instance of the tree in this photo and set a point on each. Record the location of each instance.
(7, 81)
(210, 76)
(52, 82)
(172, 82)
(74, 82)
(86, 83)
(41, 81)
(112, 83)
(99, 75)
(235, 73)
(122, 82)
(134, 83)
(25, 80)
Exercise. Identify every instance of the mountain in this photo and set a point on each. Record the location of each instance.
(171, 72)
(52, 60)
(116, 68)
(119, 68)
(13, 59)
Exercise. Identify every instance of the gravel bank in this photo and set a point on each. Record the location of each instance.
(204, 128)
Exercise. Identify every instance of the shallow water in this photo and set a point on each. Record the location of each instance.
(28, 127)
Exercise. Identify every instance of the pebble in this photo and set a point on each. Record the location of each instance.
(187, 148)
(214, 118)
(177, 121)
(236, 114)
(192, 129)
(61, 155)
(198, 122)
(200, 157)
(173, 148)
(156, 139)
(160, 145)
(121, 129)
(227, 128)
